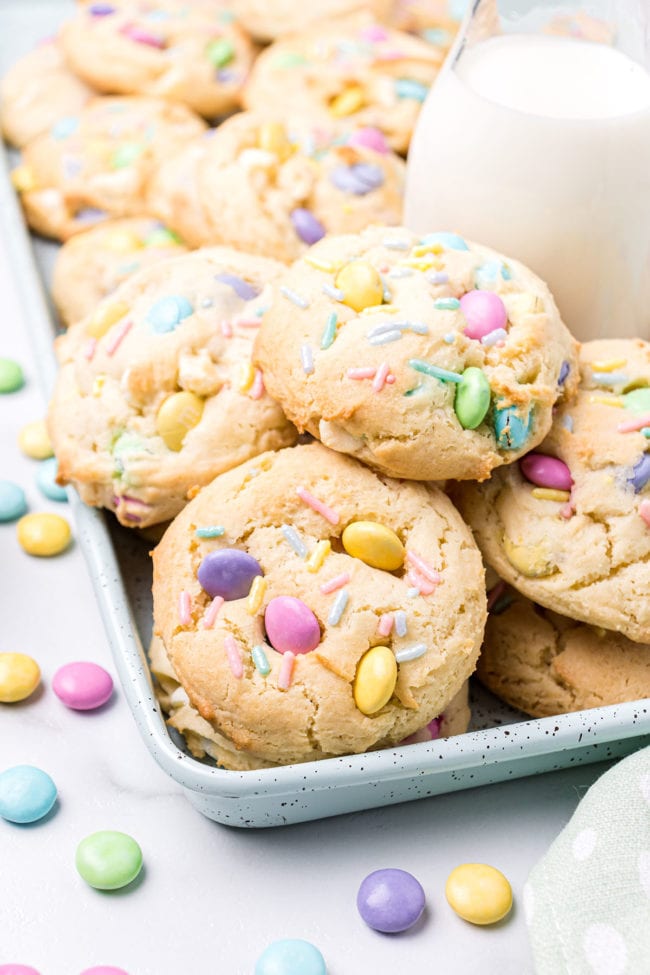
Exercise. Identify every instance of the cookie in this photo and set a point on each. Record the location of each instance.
(545, 664)
(188, 52)
(36, 92)
(310, 608)
(274, 189)
(369, 76)
(569, 525)
(267, 21)
(98, 163)
(203, 739)
(91, 265)
(426, 358)
(156, 394)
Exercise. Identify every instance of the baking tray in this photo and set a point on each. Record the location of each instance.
(502, 744)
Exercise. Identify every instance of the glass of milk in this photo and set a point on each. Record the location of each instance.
(535, 140)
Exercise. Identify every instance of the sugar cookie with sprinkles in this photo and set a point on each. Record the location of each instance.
(91, 265)
(268, 21)
(187, 52)
(310, 608)
(37, 91)
(425, 357)
(156, 393)
(368, 76)
(271, 188)
(97, 163)
(569, 525)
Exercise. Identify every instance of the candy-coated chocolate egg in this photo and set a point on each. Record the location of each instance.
(166, 314)
(27, 794)
(102, 970)
(546, 472)
(46, 480)
(370, 138)
(34, 440)
(272, 137)
(123, 241)
(374, 544)
(307, 226)
(348, 102)
(390, 900)
(478, 893)
(18, 970)
(13, 503)
(43, 534)
(12, 377)
(178, 414)
(532, 561)
(511, 428)
(291, 625)
(228, 573)
(361, 285)
(472, 398)
(20, 675)
(108, 860)
(445, 239)
(104, 317)
(291, 956)
(83, 685)
(484, 312)
(638, 400)
(375, 679)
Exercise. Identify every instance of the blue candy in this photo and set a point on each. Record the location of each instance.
(291, 957)
(26, 794)
(510, 429)
(46, 480)
(408, 88)
(453, 241)
(167, 313)
(242, 288)
(13, 504)
(65, 127)
(487, 273)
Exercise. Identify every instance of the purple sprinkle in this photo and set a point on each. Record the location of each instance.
(90, 215)
(359, 178)
(640, 474)
(140, 36)
(564, 372)
(439, 277)
(101, 9)
(308, 228)
(242, 288)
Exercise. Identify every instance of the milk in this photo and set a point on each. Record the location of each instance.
(540, 147)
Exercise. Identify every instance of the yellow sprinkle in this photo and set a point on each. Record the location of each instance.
(325, 266)
(348, 102)
(34, 440)
(419, 263)
(256, 595)
(607, 365)
(122, 241)
(246, 376)
(98, 385)
(422, 249)
(382, 309)
(550, 494)
(105, 317)
(318, 556)
(23, 179)
(607, 400)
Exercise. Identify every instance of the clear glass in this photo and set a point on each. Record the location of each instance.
(535, 140)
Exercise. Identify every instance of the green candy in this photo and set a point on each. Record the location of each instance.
(11, 376)
(638, 400)
(126, 155)
(472, 398)
(108, 860)
(220, 52)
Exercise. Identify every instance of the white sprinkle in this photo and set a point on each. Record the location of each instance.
(413, 592)
(411, 653)
(567, 422)
(450, 338)
(385, 337)
(307, 359)
(396, 245)
(338, 608)
(333, 292)
(400, 622)
(498, 335)
(296, 299)
(294, 540)
(207, 303)
(440, 277)
(401, 272)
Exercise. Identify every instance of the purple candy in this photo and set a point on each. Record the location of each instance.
(359, 178)
(640, 473)
(390, 900)
(242, 288)
(101, 9)
(484, 312)
(546, 472)
(565, 369)
(291, 625)
(82, 686)
(370, 138)
(308, 228)
(229, 573)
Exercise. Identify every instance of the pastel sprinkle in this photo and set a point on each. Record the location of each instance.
(329, 333)
(211, 613)
(631, 426)
(423, 567)
(401, 272)
(338, 608)
(261, 661)
(325, 266)
(396, 245)
(444, 375)
(364, 372)
(319, 506)
(336, 583)
(383, 338)
(246, 376)
(413, 592)
(610, 378)
(234, 656)
(380, 377)
(295, 541)
(294, 298)
(551, 494)
(609, 365)
(408, 88)
(446, 304)
(185, 608)
(257, 389)
(438, 277)
(117, 336)
(256, 595)
(411, 653)
(446, 239)
(644, 511)
(424, 586)
(450, 338)
(400, 622)
(333, 292)
(307, 359)
(494, 337)
(385, 624)
(321, 550)
(210, 531)
(286, 670)
(607, 400)
(226, 329)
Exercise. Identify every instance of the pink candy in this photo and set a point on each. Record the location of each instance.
(484, 313)
(141, 36)
(104, 970)
(546, 472)
(291, 626)
(370, 138)
(429, 733)
(82, 686)
(18, 970)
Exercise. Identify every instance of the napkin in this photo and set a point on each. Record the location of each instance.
(587, 902)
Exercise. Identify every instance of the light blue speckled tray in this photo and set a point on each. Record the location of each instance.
(502, 745)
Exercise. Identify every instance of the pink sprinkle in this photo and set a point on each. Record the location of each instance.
(328, 513)
(367, 372)
(286, 670)
(373, 33)
(380, 379)
(336, 583)
(385, 624)
(390, 378)
(636, 424)
(89, 351)
(370, 138)
(644, 511)
(424, 568)
(185, 608)
(234, 656)
(248, 322)
(419, 582)
(257, 389)
(567, 510)
(117, 335)
(226, 329)
(212, 612)
(495, 593)
(140, 36)
(392, 55)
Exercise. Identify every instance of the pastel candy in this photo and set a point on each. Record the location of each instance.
(375, 679)
(361, 285)
(306, 225)
(374, 544)
(370, 138)
(228, 573)
(349, 101)
(11, 376)
(546, 472)
(478, 893)
(484, 312)
(357, 178)
(532, 561)
(430, 732)
(102, 970)
(168, 312)
(220, 52)
(291, 625)
(409, 88)
(640, 473)
(390, 900)
(46, 474)
(82, 685)
(510, 428)
(162, 237)
(291, 956)
(108, 860)
(43, 534)
(178, 414)
(472, 399)
(638, 400)
(453, 242)
(243, 289)
(27, 794)
(272, 137)
(104, 317)
(20, 675)
(13, 503)
(34, 440)
(18, 970)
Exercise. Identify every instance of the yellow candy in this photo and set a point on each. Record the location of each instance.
(375, 680)
(361, 285)
(478, 893)
(34, 440)
(272, 137)
(43, 534)
(19, 677)
(532, 561)
(123, 241)
(348, 102)
(176, 417)
(105, 317)
(374, 544)
(23, 179)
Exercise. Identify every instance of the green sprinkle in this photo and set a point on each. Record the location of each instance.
(12, 377)
(220, 52)
(330, 331)
(126, 155)
(446, 304)
(261, 661)
(210, 531)
(288, 59)
(162, 237)
(444, 375)
(472, 400)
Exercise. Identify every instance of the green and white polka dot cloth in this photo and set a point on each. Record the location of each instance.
(587, 902)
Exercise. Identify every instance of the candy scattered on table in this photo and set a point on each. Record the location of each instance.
(390, 900)
(478, 893)
(43, 534)
(82, 686)
(34, 440)
(102, 970)
(108, 860)
(11, 376)
(46, 480)
(18, 970)
(20, 675)
(13, 503)
(291, 625)
(291, 956)
(26, 794)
